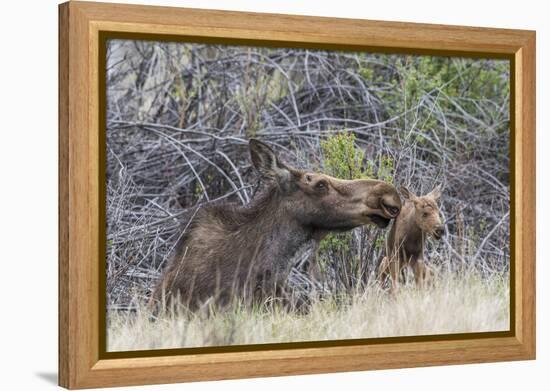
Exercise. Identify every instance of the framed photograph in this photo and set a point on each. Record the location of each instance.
(247, 195)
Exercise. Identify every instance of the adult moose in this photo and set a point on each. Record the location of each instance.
(418, 219)
(245, 251)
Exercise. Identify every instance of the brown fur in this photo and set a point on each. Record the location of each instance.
(244, 251)
(419, 218)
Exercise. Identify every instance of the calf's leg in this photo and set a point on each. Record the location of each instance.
(419, 271)
(395, 271)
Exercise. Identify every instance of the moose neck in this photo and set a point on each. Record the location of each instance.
(409, 234)
(275, 233)
(414, 232)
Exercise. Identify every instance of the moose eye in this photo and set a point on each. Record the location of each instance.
(424, 214)
(321, 185)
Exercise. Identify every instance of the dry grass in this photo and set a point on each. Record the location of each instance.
(455, 303)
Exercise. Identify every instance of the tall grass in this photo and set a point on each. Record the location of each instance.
(453, 303)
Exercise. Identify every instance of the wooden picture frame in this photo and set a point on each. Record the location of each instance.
(82, 362)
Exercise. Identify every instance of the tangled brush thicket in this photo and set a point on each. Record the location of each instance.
(179, 117)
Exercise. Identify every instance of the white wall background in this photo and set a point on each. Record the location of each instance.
(28, 191)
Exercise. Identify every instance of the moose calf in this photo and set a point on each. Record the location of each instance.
(419, 217)
(233, 251)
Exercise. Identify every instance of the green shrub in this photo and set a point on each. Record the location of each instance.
(342, 159)
(345, 160)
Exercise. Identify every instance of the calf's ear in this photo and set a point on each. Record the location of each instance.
(435, 193)
(407, 194)
(266, 162)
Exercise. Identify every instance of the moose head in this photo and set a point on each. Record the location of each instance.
(324, 202)
(426, 211)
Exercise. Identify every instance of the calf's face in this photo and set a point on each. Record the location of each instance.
(426, 211)
(324, 202)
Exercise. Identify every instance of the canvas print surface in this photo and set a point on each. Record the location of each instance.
(268, 195)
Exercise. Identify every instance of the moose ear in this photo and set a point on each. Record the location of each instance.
(266, 162)
(435, 193)
(407, 194)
